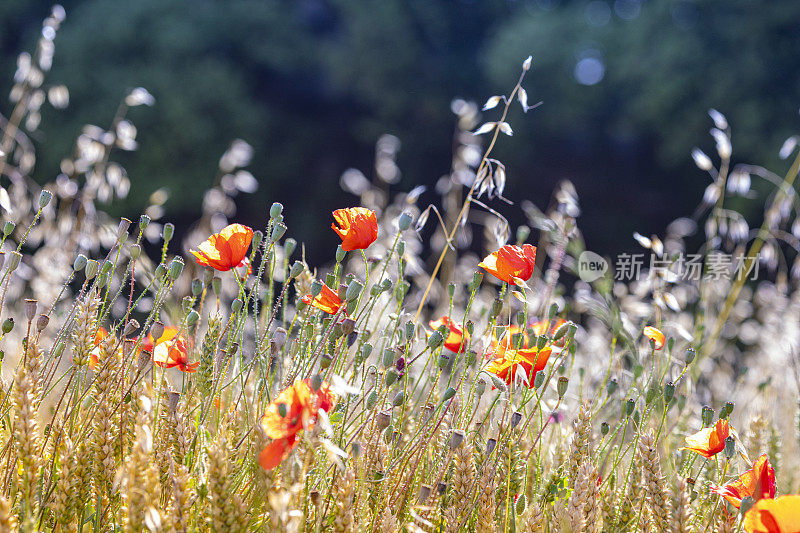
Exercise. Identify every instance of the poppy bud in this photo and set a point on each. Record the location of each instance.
(553, 310)
(236, 305)
(192, 318)
(383, 419)
(41, 323)
(44, 198)
(353, 290)
(611, 386)
(388, 357)
(30, 308)
(690, 355)
(175, 268)
(669, 392)
(8, 228)
(168, 231)
(401, 248)
(435, 340)
(216, 285)
(255, 242)
(521, 504)
(480, 387)
(497, 307)
(296, 270)
(275, 210)
(477, 277)
(404, 222)
(604, 428)
(449, 393)
(456, 438)
(8, 325)
(523, 232)
(490, 444)
(277, 232)
(398, 399)
(57, 351)
(91, 269)
(516, 418)
(561, 386)
(372, 399)
(157, 329)
(144, 221)
(630, 405)
(340, 254)
(516, 340)
(538, 379)
(289, 246)
(159, 272)
(707, 415)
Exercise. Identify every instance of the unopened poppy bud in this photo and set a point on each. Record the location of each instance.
(91, 269)
(135, 251)
(157, 329)
(404, 222)
(516, 418)
(255, 242)
(8, 325)
(161, 269)
(553, 311)
(30, 309)
(435, 340)
(480, 387)
(13, 261)
(192, 318)
(707, 415)
(424, 494)
(604, 428)
(538, 379)
(8, 228)
(353, 290)
(168, 231)
(372, 399)
(398, 399)
(669, 392)
(277, 232)
(497, 307)
(216, 285)
(449, 393)
(383, 419)
(561, 331)
(41, 323)
(401, 248)
(690, 355)
(456, 438)
(519, 507)
(340, 254)
(44, 198)
(516, 340)
(236, 305)
(611, 386)
(561, 386)
(490, 445)
(58, 350)
(477, 278)
(144, 221)
(730, 447)
(275, 210)
(175, 268)
(630, 405)
(296, 270)
(409, 330)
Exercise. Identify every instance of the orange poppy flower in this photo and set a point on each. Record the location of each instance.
(709, 442)
(457, 339)
(656, 336)
(94, 356)
(758, 483)
(506, 360)
(327, 300)
(357, 227)
(781, 515)
(226, 249)
(511, 263)
(170, 350)
(549, 327)
(302, 405)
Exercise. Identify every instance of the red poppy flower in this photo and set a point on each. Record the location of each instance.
(507, 360)
(781, 515)
(709, 442)
(457, 339)
(226, 249)
(511, 263)
(758, 483)
(170, 350)
(327, 300)
(301, 406)
(357, 227)
(656, 336)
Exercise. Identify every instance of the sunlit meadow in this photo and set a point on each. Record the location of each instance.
(407, 383)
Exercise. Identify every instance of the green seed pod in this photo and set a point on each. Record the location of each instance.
(325, 361)
(538, 380)
(316, 382)
(277, 232)
(707, 415)
(398, 399)
(669, 392)
(316, 288)
(689, 357)
(289, 246)
(561, 331)
(282, 410)
(372, 399)
(729, 408)
(469, 326)
(187, 303)
(8, 228)
(517, 340)
(340, 254)
(388, 358)
(296, 270)
(79, 263)
(630, 405)
(161, 269)
(449, 393)
(650, 395)
(216, 285)
(523, 232)
(553, 311)
(404, 221)
(275, 210)
(561, 386)
(409, 330)
(366, 350)
(144, 221)
(8, 325)
(192, 317)
(444, 361)
(103, 279)
(730, 447)
(44, 198)
(401, 248)
(91, 269)
(521, 504)
(236, 305)
(386, 284)
(471, 357)
(611, 386)
(197, 287)
(175, 268)
(391, 377)
(497, 307)
(435, 340)
(135, 251)
(746, 504)
(451, 289)
(353, 290)
(480, 388)
(604, 428)
(541, 342)
(168, 231)
(477, 278)
(59, 349)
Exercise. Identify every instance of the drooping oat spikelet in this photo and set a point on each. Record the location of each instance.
(653, 481)
(26, 438)
(85, 328)
(344, 490)
(485, 512)
(460, 486)
(681, 508)
(225, 502)
(579, 450)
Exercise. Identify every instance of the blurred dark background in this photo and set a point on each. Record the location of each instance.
(311, 84)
